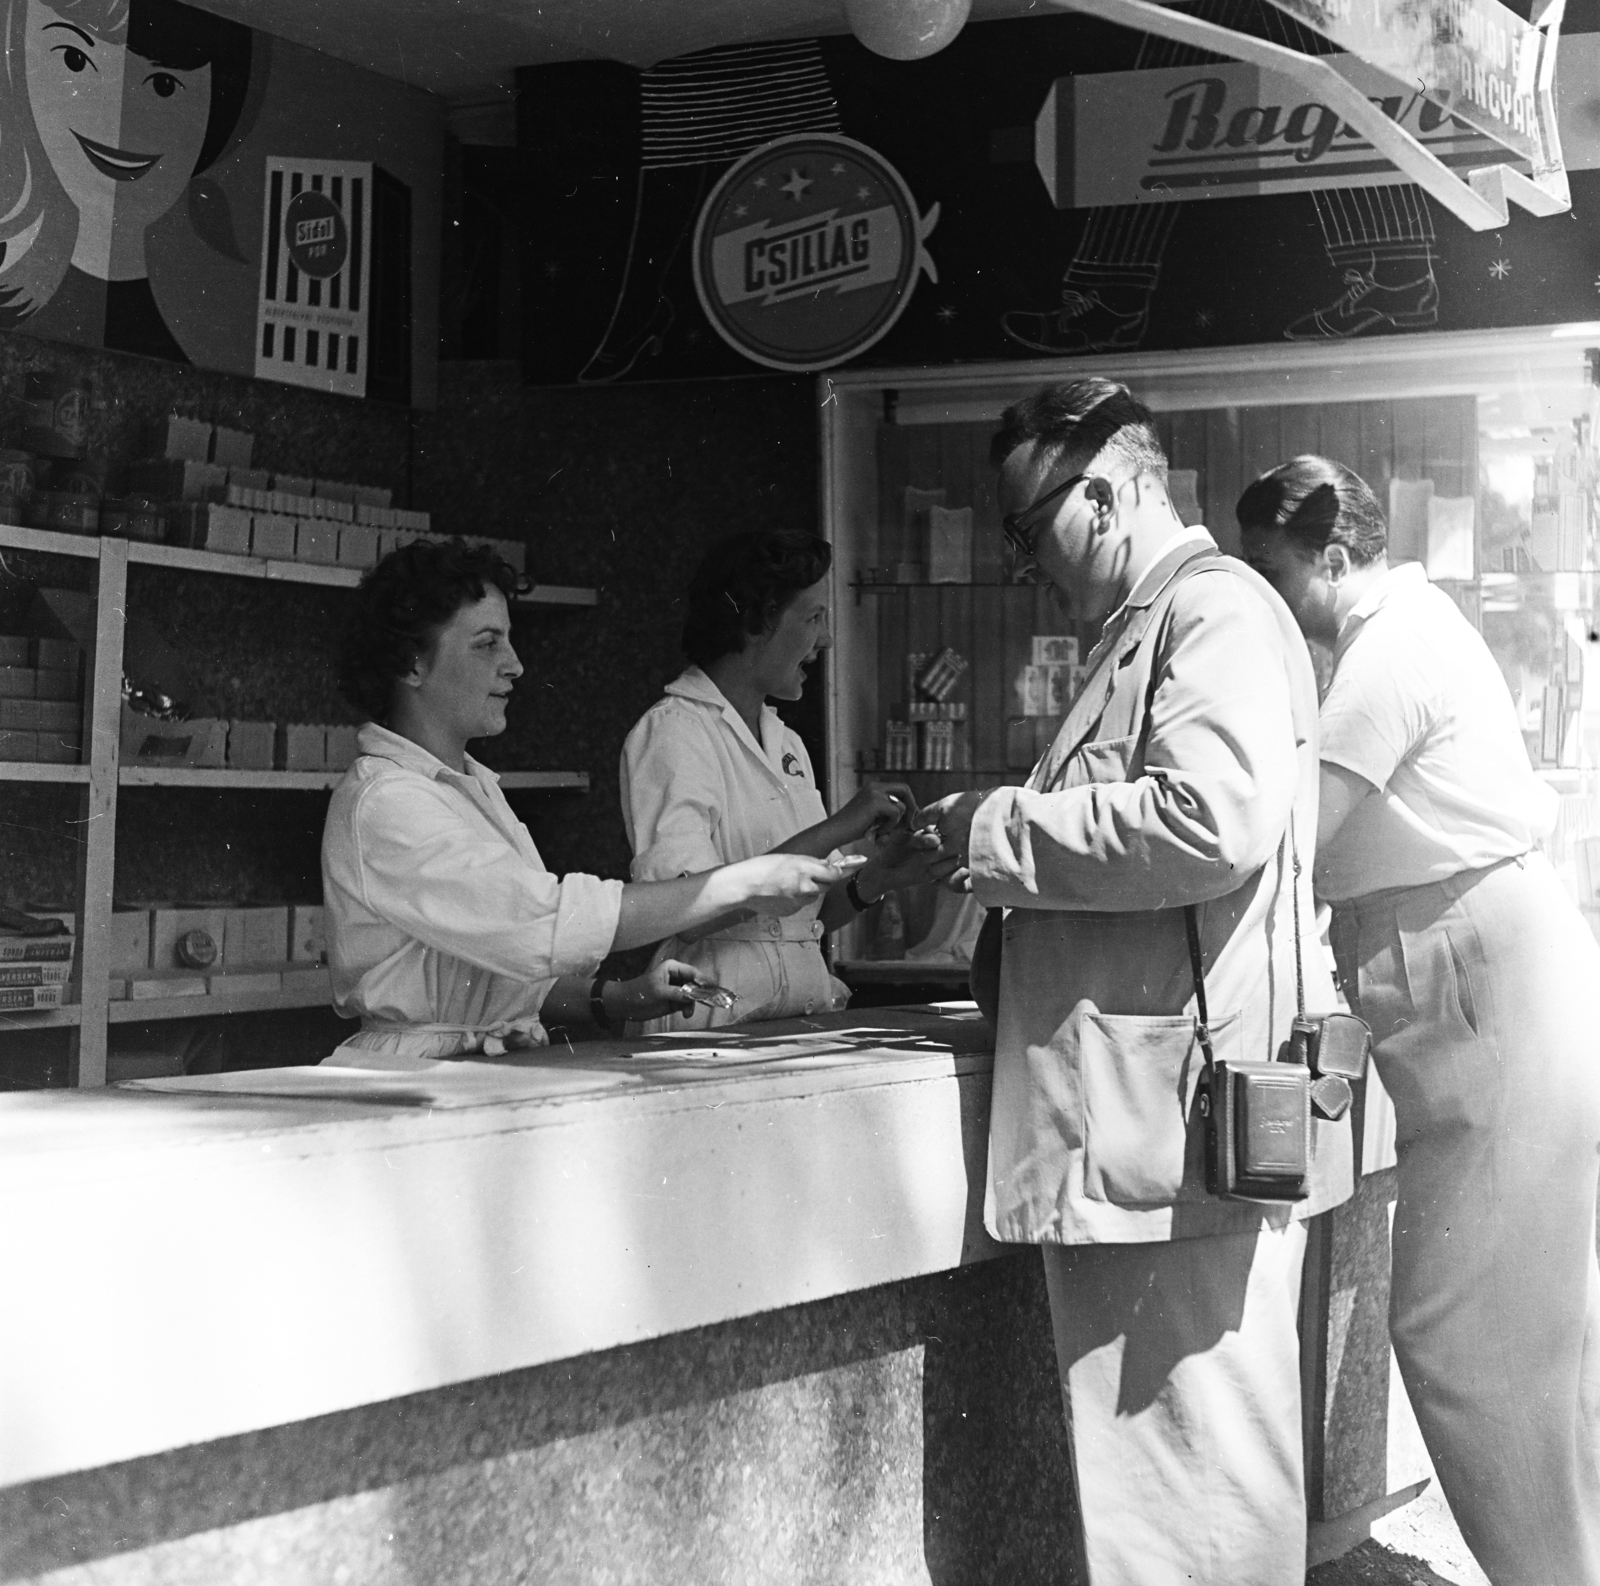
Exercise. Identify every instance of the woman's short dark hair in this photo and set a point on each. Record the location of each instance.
(1317, 503)
(401, 604)
(169, 33)
(741, 585)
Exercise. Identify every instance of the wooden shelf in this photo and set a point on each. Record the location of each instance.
(12, 1022)
(42, 771)
(21, 539)
(306, 781)
(329, 576)
(129, 1012)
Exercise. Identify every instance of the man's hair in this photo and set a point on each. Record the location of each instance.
(741, 585)
(402, 604)
(1098, 417)
(1317, 503)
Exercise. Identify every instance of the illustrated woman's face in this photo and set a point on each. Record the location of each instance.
(121, 133)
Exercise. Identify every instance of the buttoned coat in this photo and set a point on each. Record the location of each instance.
(1170, 782)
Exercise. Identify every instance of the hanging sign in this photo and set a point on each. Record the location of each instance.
(1227, 130)
(1476, 58)
(808, 250)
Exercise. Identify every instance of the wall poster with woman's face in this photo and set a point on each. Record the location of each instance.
(134, 136)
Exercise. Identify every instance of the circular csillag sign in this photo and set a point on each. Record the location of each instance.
(808, 250)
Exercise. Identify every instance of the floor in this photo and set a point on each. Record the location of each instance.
(1417, 1544)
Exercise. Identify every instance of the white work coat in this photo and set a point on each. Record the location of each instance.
(699, 790)
(443, 923)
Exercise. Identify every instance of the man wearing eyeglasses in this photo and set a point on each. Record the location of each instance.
(1173, 780)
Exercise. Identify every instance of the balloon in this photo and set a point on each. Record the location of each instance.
(906, 30)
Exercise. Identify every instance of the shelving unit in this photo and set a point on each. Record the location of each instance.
(1408, 408)
(103, 776)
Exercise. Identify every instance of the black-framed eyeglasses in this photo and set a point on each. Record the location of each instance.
(1018, 538)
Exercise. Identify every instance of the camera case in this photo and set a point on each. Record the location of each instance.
(1334, 1048)
(1258, 1135)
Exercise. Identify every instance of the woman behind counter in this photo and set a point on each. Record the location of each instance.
(711, 775)
(446, 933)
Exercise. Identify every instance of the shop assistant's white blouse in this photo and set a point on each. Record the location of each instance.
(442, 922)
(699, 790)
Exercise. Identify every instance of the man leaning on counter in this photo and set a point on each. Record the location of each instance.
(1185, 773)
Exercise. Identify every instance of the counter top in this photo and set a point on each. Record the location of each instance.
(199, 1257)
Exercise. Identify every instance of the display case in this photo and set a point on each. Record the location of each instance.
(949, 674)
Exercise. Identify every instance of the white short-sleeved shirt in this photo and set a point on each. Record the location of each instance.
(1419, 709)
(439, 911)
(700, 790)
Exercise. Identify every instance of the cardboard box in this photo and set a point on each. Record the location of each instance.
(58, 655)
(184, 440)
(250, 745)
(358, 545)
(293, 484)
(130, 941)
(267, 933)
(316, 541)
(167, 925)
(238, 982)
(59, 748)
(14, 650)
(272, 535)
(178, 480)
(18, 682)
(214, 753)
(232, 448)
(117, 990)
(227, 530)
(251, 479)
(146, 740)
(372, 496)
(301, 747)
(308, 980)
(19, 746)
(343, 747)
(55, 715)
(57, 686)
(307, 944)
(19, 715)
(153, 984)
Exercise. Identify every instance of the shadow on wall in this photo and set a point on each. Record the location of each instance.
(905, 1433)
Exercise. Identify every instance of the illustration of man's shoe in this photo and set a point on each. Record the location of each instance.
(1397, 293)
(1100, 311)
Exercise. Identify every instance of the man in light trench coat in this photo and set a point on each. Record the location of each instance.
(1173, 780)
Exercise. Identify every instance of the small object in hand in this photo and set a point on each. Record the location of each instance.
(196, 950)
(711, 996)
(848, 862)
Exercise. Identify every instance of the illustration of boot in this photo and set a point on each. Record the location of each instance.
(1101, 309)
(665, 207)
(1383, 290)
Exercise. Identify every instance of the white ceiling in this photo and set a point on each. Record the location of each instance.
(466, 49)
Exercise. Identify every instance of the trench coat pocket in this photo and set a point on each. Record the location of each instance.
(1139, 1077)
(1104, 760)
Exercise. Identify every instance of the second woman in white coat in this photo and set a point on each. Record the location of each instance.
(711, 774)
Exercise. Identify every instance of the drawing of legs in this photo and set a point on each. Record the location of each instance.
(699, 112)
(1381, 239)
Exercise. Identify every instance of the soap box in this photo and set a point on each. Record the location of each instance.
(250, 745)
(307, 944)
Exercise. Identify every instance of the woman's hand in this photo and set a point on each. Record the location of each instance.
(877, 807)
(903, 859)
(657, 992)
(784, 883)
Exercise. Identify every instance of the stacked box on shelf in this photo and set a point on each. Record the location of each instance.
(35, 971)
(41, 690)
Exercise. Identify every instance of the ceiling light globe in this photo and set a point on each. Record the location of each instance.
(906, 30)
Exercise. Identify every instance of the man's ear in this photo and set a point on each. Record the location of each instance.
(1336, 559)
(1098, 490)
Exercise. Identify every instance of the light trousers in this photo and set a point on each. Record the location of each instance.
(1180, 1377)
(1483, 993)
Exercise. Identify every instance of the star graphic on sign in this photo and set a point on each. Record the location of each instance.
(945, 313)
(836, 169)
(1500, 269)
(761, 181)
(1205, 319)
(741, 210)
(863, 192)
(796, 185)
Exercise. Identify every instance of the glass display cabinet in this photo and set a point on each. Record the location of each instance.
(948, 673)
